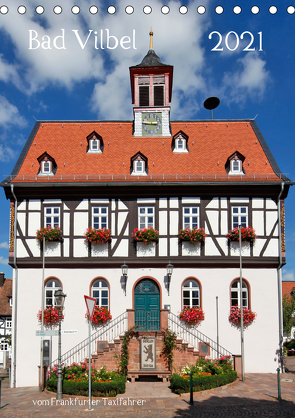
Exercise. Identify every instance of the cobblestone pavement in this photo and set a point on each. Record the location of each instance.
(256, 397)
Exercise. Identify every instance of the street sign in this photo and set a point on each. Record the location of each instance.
(69, 331)
(90, 304)
(46, 332)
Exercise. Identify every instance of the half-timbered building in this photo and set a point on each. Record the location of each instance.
(149, 172)
(5, 320)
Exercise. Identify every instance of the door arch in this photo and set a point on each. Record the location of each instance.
(147, 305)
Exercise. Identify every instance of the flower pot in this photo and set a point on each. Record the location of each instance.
(145, 249)
(235, 248)
(189, 249)
(99, 249)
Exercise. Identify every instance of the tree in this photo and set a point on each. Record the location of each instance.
(288, 313)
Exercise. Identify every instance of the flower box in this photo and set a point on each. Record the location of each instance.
(193, 236)
(235, 316)
(189, 249)
(97, 236)
(50, 316)
(247, 234)
(145, 249)
(192, 316)
(145, 235)
(235, 248)
(99, 250)
(100, 316)
(50, 234)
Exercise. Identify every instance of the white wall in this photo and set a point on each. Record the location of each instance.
(261, 338)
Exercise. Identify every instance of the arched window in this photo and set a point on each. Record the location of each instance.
(51, 286)
(190, 293)
(235, 294)
(100, 291)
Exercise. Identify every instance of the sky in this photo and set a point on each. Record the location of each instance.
(53, 66)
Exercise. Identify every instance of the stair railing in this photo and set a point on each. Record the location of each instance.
(107, 332)
(193, 337)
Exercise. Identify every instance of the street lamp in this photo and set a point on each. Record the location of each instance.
(124, 268)
(169, 268)
(59, 298)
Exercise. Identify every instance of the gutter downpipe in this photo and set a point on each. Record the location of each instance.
(279, 270)
(15, 285)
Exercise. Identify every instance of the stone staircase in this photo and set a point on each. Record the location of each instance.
(108, 355)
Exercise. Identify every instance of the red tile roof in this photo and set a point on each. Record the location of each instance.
(210, 144)
(288, 287)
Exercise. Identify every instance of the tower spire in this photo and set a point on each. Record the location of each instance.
(151, 38)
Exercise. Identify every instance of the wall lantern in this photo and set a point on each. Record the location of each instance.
(59, 298)
(124, 268)
(169, 268)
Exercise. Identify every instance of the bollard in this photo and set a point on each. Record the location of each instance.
(1, 378)
(279, 385)
(191, 399)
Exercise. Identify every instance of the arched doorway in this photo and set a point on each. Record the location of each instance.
(147, 305)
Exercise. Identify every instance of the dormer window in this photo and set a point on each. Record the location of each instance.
(234, 164)
(139, 165)
(47, 165)
(179, 142)
(95, 143)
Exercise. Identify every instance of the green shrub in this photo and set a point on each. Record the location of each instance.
(181, 384)
(289, 344)
(71, 387)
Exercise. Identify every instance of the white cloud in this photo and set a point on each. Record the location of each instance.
(9, 113)
(3, 260)
(288, 275)
(4, 245)
(249, 79)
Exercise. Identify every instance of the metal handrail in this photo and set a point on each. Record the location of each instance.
(107, 332)
(193, 337)
(150, 177)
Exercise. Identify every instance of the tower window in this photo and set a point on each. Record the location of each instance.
(144, 95)
(158, 95)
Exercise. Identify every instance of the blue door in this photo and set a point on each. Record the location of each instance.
(147, 305)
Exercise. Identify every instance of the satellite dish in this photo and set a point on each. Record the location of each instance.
(211, 103)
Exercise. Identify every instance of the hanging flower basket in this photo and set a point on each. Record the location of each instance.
(146, 235)
(235, 316)
(50, 234)
(100, 316)
(192, 316)
(97, 236)
(247, 234)
(50, 315)
(192, 235)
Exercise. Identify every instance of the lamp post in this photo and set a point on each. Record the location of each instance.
(59, 303)
(241, 306)
(169, 268)
(124, 268)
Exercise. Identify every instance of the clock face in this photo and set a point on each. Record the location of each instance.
(151, 124)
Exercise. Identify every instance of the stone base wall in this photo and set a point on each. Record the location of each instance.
(182, 355)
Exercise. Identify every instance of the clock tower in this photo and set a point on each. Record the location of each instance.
(151, 86)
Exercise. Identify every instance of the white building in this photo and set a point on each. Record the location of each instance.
(212, 174)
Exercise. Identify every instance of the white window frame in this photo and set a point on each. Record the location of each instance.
(177, 148)
(144, 213)
(3, 345)
(53, 214)
(43, 170)
(99, 212)
(10, 302)
(56, 285)
(94, 150)
(8, 324)
(190, 214)
(97, 286)
(239, 214)
(235, 288)
(236, 167)
(136, 171)
(193, 287)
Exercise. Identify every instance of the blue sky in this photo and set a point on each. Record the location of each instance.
(71, 82)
